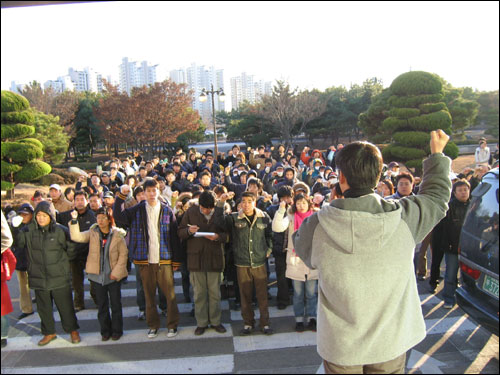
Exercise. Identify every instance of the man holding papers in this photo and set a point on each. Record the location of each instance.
(205, 261)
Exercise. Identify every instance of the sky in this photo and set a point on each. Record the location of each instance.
(309, 44)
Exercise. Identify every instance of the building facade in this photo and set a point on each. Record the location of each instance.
(132, 75)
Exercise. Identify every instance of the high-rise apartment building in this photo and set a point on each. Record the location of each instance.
(132, 75)
(245, 88)
(85, 80)
(198, 78)
(17, 87)
(61, 84)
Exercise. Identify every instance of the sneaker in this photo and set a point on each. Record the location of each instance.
(199, 331)
(141, 316)
(421, 278)
(246, 330)
(267, 330)
(152, 333)
(24, 315)
(448, 306)
(220, 328)
(172, 332)
(299, 327)
(312, 325)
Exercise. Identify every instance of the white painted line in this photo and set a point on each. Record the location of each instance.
(30, 343)
(273, 313)
(277, 341)
(441, 326)
(429, 299)
(187, 365)
(424, 363)
(127, 312)
(132, 292)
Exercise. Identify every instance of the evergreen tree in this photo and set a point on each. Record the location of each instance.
(20, 151)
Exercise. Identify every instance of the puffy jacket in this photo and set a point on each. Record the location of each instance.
(453, 223)
(202, 254)
(49, 251)
(85, 221)
(252, 241)
(118, 252)
(19, 252)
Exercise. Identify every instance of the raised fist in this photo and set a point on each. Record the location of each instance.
(74, 214)
(439, 139)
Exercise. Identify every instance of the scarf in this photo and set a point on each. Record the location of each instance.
(299, 218)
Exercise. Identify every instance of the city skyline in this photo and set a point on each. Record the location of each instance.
(310, 45)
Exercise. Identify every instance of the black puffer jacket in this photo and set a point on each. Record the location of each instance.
(453, 223)
(19, 252)
(49, 250)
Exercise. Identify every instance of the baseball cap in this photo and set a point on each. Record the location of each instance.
(108, 194)
(25, 208)
(55, 186)
(161, 178)
(393, 164)
(105, 174)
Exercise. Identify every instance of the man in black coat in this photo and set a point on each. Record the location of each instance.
(85, 219)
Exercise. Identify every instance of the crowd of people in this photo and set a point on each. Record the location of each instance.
(219, 218)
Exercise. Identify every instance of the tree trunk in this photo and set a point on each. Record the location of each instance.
(116, 150)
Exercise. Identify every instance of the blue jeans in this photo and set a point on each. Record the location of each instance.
(5, 326)
(450, 278)
(309, 288)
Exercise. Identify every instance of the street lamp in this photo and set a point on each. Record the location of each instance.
(203, 98)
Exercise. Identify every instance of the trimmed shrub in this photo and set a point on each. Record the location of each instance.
(17, 131)
(413, 101)
(32, 171)
(432, 107)
(50, 179)
(416, 163)
(22, 152)
(395, 152)
(25, 117)
(7, 185)
(451, 150)
(391, 124)
(8, 168)
(12, 102)
(412, 139)
(416, 83)
(404, 113)
(431, 121)
(32, 141)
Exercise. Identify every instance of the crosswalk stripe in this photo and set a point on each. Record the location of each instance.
(440, 326)
(187, 365)
(94, 339)
(277, 341)
(127, 312)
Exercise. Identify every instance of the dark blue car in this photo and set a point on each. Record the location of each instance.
(478, 294)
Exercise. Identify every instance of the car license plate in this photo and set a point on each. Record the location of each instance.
(491, 285)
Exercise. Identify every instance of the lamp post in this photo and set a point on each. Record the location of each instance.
(203, 98)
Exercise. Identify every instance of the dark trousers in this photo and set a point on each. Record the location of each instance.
(437, 257)
(105, 294)
(141, 299)
(249, 277)
(154, 275)
(64, 303)
(77, 278)
(185, 282)
(282, 281)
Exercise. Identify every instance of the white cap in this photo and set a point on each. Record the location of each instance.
(453, 176)
(55, 186)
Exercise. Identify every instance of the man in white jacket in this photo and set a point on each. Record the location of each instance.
(369, 312)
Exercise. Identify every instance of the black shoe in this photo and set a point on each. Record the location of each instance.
(105, 337)
(4, 343)
(116, 336)
(281, 306)
(246, 330)
(267, 330)
(421, 278)
(24, 315)
(312, 325)
(199, 331)
(220, 328)
(299, 327)
(432, 288)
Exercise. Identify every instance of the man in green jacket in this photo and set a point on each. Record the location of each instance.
(49, 250)
(251, 233)
(369, 312)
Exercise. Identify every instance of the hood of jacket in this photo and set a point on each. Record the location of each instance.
(48, 208)
(370, 215)
(302, 185)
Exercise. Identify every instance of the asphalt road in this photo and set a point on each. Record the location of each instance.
(454, 343)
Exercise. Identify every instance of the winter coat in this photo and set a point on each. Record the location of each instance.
(203, 255)
(252, 241)
(296, 269)
(279, 238)
(8, 266)
(49, 251)
(453, 223)
(118, 252)
(62, 204)
(136, 220)
(369, 309)
(85, 221)
(21, 254)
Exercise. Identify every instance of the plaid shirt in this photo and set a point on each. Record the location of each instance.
(135, 219)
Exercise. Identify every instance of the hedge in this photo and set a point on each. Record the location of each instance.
(414, 101)
(32, 171)
(17, 131)
(416, 83)
(24, 117)
(404, 113)
(395, 151)
(391, 124)
(7, 185)
(451, 150)
(415, 163)
(32, 141)
(431, 121)
(8, 168)
(12, 102)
